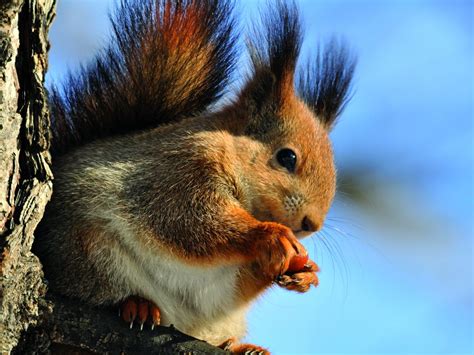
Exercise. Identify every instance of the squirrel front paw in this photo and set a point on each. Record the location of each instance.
(276, 247)
(141, 310)
(302, 280)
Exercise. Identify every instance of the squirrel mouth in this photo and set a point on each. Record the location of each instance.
(267, 216)
(300, 234)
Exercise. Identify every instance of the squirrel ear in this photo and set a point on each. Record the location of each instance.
(256, 103)
(275, 46)
(258, 93)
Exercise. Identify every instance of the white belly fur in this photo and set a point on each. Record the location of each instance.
(199, 301)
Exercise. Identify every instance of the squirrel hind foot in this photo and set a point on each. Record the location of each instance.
(141, 310)
(233, 347)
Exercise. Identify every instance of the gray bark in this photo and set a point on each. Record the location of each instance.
(25, 175)
(76, 328)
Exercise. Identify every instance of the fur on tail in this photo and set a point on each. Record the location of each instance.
(167, 59)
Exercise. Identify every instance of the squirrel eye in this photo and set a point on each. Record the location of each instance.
(287, 158)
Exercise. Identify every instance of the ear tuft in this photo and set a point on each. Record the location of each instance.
(275, 46)
(325, 84)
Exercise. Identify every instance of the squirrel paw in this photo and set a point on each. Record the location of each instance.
(137, 308)
(277, 247)
(233, 347)
(300, 281)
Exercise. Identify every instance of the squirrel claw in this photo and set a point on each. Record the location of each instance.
(140, 309)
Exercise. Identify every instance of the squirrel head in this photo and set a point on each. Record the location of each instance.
(286, 162)
(286, 167)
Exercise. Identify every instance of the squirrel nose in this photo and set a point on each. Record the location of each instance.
(308, 225)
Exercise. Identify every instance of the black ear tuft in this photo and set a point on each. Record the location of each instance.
(276, 44)
(325, 85)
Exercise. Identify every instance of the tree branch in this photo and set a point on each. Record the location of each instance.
(74, 327)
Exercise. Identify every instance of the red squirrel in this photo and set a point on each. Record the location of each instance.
(180, 209)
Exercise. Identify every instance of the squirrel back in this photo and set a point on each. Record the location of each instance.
(199, 215)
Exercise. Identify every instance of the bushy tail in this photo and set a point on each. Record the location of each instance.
(167, 59)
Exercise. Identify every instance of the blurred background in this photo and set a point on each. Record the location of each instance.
(396, 251)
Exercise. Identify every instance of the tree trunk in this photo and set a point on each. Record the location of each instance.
(56, 325)
(25, 175)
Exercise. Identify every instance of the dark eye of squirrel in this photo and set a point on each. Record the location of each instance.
(287, 158)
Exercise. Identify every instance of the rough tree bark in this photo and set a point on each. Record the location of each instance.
(55, 325)
(25, 176)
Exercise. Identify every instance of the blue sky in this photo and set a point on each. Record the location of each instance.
(398, 277)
